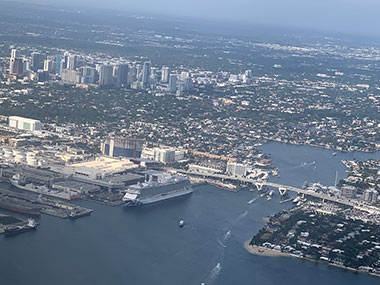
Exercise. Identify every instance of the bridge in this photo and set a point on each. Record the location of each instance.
(284, 188)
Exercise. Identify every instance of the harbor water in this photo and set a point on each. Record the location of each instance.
(145, 245)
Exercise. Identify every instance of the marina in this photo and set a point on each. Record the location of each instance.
(192, 252)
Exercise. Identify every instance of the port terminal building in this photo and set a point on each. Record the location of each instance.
(105, 172)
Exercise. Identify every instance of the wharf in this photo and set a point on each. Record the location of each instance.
(49, 206)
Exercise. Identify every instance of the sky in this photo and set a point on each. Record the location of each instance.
(360, 17)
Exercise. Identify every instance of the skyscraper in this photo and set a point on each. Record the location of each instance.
(72, 62)
(15, 53)
(16, 66)
(172, 83)
(138, 71)
(70, 76)
(87, 75)
(58, 64)
(132, 75)
(49, 66)
(105, 75)
(37, 61)
(121, 75)
(146, 74)
(165, 74)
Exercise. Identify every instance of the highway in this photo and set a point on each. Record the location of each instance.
(283, 188)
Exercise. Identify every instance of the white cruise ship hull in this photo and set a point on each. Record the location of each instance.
(158, 198)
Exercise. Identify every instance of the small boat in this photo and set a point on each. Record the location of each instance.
(269, 197)
(297, 199)
(334, 153)
(181, 223)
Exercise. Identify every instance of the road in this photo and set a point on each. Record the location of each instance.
(283, 188)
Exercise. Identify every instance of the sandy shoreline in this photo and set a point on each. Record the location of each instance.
(259, 250)
(263, 251)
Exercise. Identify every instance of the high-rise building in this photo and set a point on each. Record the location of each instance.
(72, 62)
(15, 53)
(70, 76)
(37, 61)
(58, 64)
(132, 72)
(180, 89)
(66, 55)
(87, 75)
(49, 66)
(121, 75)
(138, 71)
(236, 169)
(164, 155)
(146, 74)
(247, 76)
(248, 73)
(122, 147)
(172, 83)
(27, 64)
(106, 75)
(371, 195)
(42, 75)
(165, 74)
(348, 191)
(153, 71)
(16, 66)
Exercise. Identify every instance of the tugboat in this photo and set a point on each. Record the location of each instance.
(181, 223)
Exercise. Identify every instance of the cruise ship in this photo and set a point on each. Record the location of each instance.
(158, 186)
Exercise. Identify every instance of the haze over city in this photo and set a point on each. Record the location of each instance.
(348, 16)
(172, 142)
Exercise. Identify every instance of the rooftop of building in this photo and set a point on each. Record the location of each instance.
(23, 119)
(107, 164)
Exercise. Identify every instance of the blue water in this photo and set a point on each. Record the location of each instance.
(298, 164)
(145, 245)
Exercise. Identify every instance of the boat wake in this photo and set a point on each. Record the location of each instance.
(242, 216)
(253, 200)
(224, 240)
(304, 164)
(213, 274)
(221, 243)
